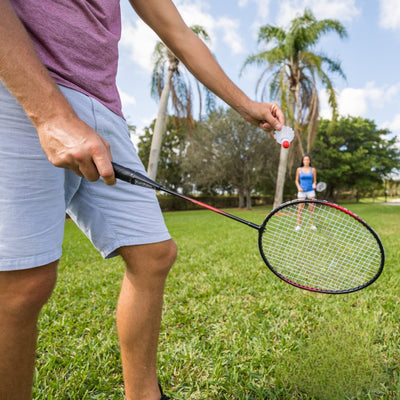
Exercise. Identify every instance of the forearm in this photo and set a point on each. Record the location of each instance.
(23, 73)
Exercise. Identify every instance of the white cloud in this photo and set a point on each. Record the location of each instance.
(353, 102)
(196, 13)
(139, 40)
(343, 10)
(394, 125)
(324, 110)
(128, 102)
(231, 35)
(262, 13)
(126, 99)
(262, 7)
(389, 16)
(358, 102)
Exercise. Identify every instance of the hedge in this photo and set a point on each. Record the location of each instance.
(172, 203)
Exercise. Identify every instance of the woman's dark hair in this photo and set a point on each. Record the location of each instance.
(302, 160)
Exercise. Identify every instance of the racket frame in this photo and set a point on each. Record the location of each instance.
(329, 204)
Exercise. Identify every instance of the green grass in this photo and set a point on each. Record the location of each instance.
(231, 329)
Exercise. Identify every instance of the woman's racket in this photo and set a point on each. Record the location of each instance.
(321, 186)
(334, 251)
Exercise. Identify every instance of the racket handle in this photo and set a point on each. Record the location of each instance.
(122, 173)
(133, 177)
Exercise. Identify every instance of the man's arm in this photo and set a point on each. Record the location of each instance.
(67, 141)
(165, 20)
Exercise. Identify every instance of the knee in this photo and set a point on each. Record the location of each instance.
(170, 252)
(161, 257)
(155, 259)
(25, 292)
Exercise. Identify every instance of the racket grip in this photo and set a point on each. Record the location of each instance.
(123, 173)
(135, 178)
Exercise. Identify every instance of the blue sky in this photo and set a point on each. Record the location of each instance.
(369, 57)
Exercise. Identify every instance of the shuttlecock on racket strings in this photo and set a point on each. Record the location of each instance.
(284, 136)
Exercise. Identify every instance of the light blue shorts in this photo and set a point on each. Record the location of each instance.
(306, 195)
(34, 195)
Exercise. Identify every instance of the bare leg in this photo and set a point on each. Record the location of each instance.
(312, 212)
(22, 295)
(299, 213)
(139, 315)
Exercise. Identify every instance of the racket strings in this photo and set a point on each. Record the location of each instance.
(339, 254)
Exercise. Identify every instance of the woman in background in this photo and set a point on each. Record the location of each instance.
(306, 182)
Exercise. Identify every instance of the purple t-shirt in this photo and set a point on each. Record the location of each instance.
(77, 40)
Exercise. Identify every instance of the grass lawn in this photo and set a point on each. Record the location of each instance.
(231, 329)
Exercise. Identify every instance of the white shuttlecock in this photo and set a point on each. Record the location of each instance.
(284, 136)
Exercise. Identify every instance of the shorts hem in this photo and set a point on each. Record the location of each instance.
(112, 250)
(29, 262)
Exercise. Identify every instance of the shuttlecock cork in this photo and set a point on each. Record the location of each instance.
(284, 136)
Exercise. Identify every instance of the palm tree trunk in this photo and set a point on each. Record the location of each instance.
(283, 160)
(159, 129)
(280, 180)
(297, 124)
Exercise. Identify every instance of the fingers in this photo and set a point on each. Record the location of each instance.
(274, 120)
(87, 170)
(278, 114)
(99, 165)
(105, 170)
(78, 147)
(92, 170)
(104, 166)
(93, 162)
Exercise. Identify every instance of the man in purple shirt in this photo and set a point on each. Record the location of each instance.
(61, 125)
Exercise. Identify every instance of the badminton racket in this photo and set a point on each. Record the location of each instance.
(332, 251)
(321, 186)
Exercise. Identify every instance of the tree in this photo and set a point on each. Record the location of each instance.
(171, 154)
(353, 154)
(294, 71)
(227, 152)
(169, 80)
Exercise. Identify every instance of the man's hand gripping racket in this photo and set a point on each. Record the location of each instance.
(342, 255)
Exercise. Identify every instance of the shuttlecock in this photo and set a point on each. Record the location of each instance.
(284, 136)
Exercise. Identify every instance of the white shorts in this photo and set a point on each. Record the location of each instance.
(306, 195)
(34, 195)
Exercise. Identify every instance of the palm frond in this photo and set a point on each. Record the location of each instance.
(200, 32)
(268, 33)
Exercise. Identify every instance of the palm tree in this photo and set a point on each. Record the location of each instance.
(294, 72)
(171, 81)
